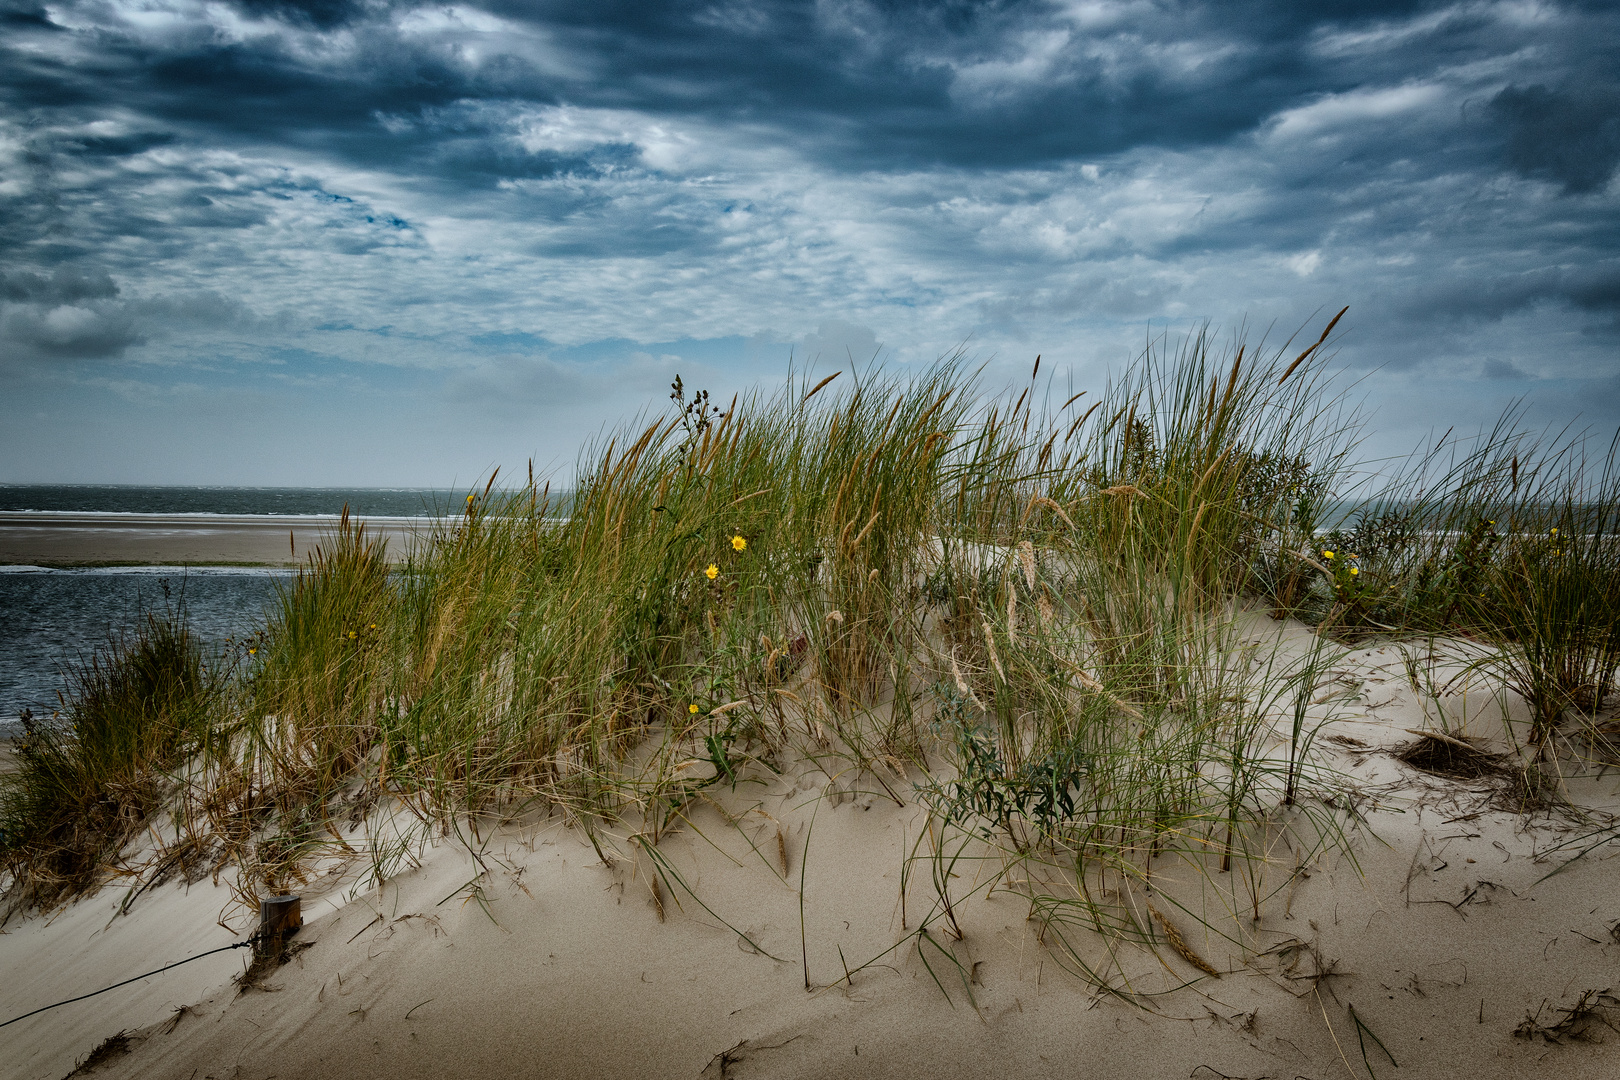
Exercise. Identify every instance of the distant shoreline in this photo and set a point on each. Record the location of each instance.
(62, 540)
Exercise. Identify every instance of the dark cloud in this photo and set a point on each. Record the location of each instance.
(317, 14)
(70, 333)
(70, 313)
(1593, 289)
(1572, 138)
(25, 16)
(121, 145)
(1501, 369)
(984, 83)
(66, 285)
(78, 313)
(966, 83)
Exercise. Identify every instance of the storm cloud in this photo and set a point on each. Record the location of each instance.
(524, 211)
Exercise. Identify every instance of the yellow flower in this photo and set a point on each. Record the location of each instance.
(253, 652)
(738, 543)
(692, 708)
(712, 572)
(1327, 554)
(353, 635)
(1354, 571)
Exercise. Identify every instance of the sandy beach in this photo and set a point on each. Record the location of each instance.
(75, 539)
(1446, 938)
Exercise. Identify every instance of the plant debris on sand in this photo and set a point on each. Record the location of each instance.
(1459, 759)
(113, 1046)
(1585, 1021)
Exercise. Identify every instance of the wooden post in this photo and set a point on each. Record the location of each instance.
(280, 917)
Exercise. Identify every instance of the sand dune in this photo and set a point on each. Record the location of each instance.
(1438, 941)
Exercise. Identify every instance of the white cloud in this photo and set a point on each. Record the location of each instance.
(1305, 263)
(1032, 64)
(455, 19)
(1354, 109)
(1386, 35)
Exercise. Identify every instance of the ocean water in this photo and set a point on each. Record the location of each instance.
(51, 620)
(121, 499)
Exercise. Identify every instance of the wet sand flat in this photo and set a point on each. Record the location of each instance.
(79, 539)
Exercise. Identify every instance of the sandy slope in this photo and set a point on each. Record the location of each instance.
(1443, 942)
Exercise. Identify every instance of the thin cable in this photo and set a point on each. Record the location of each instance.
(138, 978)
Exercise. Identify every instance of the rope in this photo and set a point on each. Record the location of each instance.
(138, 978)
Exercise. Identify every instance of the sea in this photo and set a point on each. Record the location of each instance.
(53, 621)
(117, 499)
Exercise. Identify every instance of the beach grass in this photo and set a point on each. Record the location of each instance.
(87, 778)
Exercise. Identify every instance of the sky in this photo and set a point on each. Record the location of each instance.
(361, 242)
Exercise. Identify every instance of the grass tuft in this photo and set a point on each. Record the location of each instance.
(89, 777)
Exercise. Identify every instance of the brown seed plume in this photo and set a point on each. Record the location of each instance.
(1179, 944)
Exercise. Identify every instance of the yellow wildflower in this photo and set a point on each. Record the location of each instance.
(1354, 571)
(712, 572)
(353, 635)
(1327, 554)
(738, 543)
(692, 708)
